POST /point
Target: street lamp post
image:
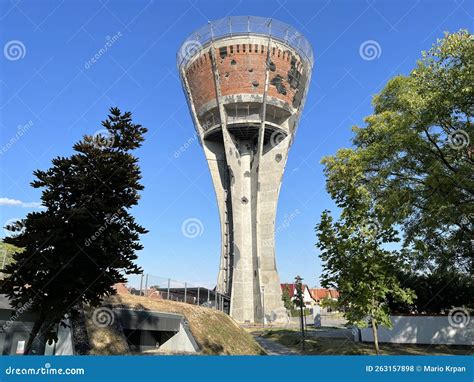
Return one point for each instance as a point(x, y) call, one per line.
point(299, 291)
point(263, 306)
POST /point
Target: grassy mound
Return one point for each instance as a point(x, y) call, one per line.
point(214, 331)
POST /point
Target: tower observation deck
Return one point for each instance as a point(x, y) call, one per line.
point(245, 80)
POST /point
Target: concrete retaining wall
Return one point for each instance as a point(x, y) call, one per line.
point(424, 330)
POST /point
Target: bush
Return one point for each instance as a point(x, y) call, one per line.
point(436, 292)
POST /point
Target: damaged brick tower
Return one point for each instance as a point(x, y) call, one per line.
point(246, 79)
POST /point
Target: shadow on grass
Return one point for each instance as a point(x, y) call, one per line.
point(341, 346)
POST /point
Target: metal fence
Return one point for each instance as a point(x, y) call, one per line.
point(168, 289)
point(246, 25)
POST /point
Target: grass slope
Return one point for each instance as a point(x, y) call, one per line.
point(214, 331)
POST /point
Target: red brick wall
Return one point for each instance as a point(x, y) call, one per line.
point(201, 80)
point(242, 71)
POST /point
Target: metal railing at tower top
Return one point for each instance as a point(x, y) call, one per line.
point(242, 26)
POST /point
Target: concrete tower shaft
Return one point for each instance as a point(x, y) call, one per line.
point(246, 79)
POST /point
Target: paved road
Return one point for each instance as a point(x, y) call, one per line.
point(331, 333)
point(273, 348)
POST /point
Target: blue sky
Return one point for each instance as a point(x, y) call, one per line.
point(50, 95)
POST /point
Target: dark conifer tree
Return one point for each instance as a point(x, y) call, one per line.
point(85, 240)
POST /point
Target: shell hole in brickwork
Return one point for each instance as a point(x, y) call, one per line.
point(247, 174)
point(271, 66)
point(244, 200)
point(278, 158)
point(250, 70)
point(255, 83)
point(233, 62)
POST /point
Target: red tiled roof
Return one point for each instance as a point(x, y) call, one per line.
point(320, 293)
point(289, 287)
point(292, 288)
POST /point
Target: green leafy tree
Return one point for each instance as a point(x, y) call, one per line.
point(415, 158)
point(85, 240)
point(328, 302)
point(355, 263)
point(6, 255)
point(287, 298)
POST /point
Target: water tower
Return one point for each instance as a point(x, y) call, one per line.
point(246, 79)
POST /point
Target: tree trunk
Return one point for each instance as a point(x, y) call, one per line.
point(376, 337)
point(34, 333)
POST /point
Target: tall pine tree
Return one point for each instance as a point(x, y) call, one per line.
point(85, 240)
